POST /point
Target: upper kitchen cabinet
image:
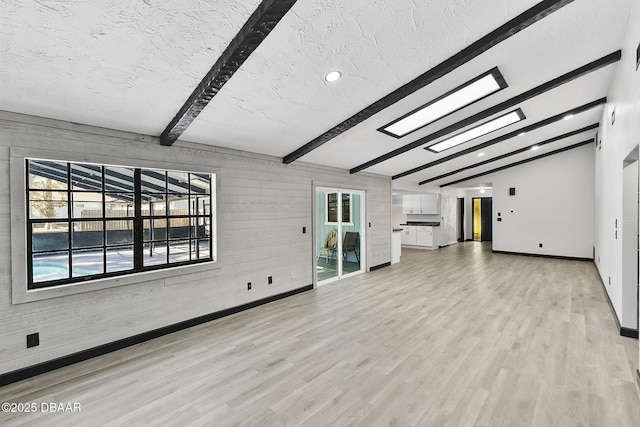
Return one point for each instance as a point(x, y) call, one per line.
point(430, 203)
point(411, 204)
point(417, 204)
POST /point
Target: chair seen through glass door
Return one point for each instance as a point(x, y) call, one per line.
point(339, 219)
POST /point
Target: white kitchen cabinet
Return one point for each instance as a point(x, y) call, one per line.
point(421, 236)
point(430, 204)
point(424, 236)
point(408, 235)
point(411, 204)
point(421, 204)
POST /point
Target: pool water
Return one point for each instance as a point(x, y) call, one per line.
point(43, 272)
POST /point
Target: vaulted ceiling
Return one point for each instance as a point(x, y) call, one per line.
point(250, 75)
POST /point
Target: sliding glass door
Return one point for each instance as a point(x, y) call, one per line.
point(339, 234)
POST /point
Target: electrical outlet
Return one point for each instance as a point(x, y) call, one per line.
point(33, 340)
point(270, 280)
point(292, 275)
point(248, 286)
point(539, 245)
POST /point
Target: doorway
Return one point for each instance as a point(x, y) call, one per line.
point(339, 234)
point(482, 217)
point(460, 219)
point(630, 252)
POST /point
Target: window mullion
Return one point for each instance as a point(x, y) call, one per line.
point(69, 221)
point(104, 218)
point(138, 223)
point(167, 217)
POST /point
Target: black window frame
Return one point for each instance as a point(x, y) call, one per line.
point(197, 220)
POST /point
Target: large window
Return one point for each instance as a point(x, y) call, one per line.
point(87, 221)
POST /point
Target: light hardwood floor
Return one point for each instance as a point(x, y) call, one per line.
point(454, 337)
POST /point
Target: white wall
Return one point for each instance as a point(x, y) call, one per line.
point(619, 139)
point(262, 207)
point(448, 217)
point(553, 205)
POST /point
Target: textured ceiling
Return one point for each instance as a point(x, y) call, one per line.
point(130, 65)
point(126, 65)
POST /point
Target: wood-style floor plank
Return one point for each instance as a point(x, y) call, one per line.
point(453, 337)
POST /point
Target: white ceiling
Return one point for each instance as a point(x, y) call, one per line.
point(130, 65)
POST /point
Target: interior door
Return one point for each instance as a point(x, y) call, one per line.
point(628, 233)
point(486, 219)
point(461, 219)
point(482, 217)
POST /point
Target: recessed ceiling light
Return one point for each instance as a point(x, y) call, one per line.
point(480, 154)
point(568, 116)
point(535, 148)
point(482, 190)
point(332, 76)
point(478, 131)
point(470, 92)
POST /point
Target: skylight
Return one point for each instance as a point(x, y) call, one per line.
point(478, 131)
point(470, 92)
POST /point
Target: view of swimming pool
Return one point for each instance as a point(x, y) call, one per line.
point(48, 267)
point(51, 271)
point(85, 263)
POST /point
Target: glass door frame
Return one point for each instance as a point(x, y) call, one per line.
point(362, 246)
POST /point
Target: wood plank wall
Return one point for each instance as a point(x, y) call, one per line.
point(262, 206)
